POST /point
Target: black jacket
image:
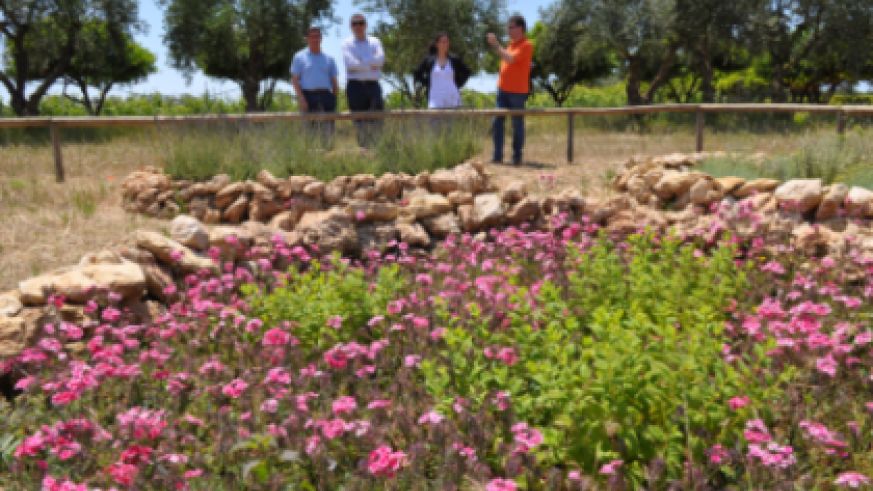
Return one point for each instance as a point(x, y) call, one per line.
point(422, 73)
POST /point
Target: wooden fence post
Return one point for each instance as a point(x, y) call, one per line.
point(701, 121)
point(570, 138)
point(842, 119)
point(55, 133)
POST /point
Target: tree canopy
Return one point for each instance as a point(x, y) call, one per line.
point(250, 42)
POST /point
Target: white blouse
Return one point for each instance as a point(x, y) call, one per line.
point(444, 94)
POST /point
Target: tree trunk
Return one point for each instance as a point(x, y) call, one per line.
point(663, 74)
point(633, 83)
point(250, 90)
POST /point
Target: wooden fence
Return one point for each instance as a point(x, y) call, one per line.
point(57, 124)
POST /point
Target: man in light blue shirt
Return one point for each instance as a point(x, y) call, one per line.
point(314, 77)
point(364, 58)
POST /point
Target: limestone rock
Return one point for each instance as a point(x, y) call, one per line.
point(730, 184)
point(376, 236)
point(427, 205)
point(263, 209)
point(859, 202)
point(229, 194)
point(488, 210)
point(470, 179)
point(314, 189)
point(157, 278)
point(79, 283)
point(800, 195)
point(267, 179)
point(756, 186)
point(330, 230)
point(832, 201)
point(413, 234)
point(458, 198)
point(442, 226)
point(370, 211)
point(285, 220)
point(333, 192)
point(465, 218)
point(235, 212)
point(164, 249)
point(10, 303)
point(443, 182)
point(292, 185)
point(524, 211)
point(816, 240)
point(514, 192)
point(611, 207)
point(389, 186)
point(675, 183)
point(12, 334)
point(212, 216)
point(705, 191)
point(188, 231)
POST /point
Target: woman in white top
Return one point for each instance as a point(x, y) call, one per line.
point(442, 75)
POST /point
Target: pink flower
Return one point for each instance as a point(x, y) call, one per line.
point(431, 417)
point(385, 462)
point(411, 360)
point(500, 484)
point(611, 468)
point(574, 475)
point(124, 474)
point(852, 479)
point(312, 444)
point(438, 333)
point(379, 404)
point(335, 322)
point(717, 455)
point(737, 403)
point(270, 406)
point(235, 388)
point(51, 484)
point(756, 432)
point(508, 356)
point(336, 357)
point(526, 438)
point(176, 256)
point(344, 405)
point(276, 337)
point(827, 365)
point(333, 428)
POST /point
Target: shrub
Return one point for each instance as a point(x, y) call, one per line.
point(624, 362)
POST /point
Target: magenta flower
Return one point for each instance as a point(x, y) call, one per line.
point(431, 417)
point(852, 479)
point(500, 484)
point(717, 455)
point(336, 357)
point(611, 467)
point(344, 405)
point(385, 462)
point(736, 403)
point(276, 337)
point(335, 322)
point(235, 388)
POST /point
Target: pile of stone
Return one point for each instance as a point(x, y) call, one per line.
point(350, 213)
point(667, 192)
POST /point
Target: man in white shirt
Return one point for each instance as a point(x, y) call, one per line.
point(364, 58)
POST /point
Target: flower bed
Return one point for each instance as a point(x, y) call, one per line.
point(549, 359)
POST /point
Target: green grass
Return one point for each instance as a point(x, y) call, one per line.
point(410, 146)
point(847, 159)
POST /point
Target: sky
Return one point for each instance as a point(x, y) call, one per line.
point(170, 81)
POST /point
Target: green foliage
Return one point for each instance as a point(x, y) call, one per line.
point(845, 159)
point(290, 149)
point(312, 297)
point(624, 362)
point(39, 40)
point(103, 59)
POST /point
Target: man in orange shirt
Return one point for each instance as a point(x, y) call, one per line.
point(513, 85)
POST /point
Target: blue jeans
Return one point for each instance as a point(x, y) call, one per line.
point(509, 100)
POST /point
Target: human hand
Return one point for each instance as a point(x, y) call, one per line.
point(492, 39)
point(302, 105)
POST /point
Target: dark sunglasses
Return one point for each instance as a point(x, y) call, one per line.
point(359, 23)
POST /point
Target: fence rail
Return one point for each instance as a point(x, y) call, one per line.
point(56, 124)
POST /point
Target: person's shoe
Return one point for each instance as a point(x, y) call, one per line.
point(517, 162)
point(497, 161)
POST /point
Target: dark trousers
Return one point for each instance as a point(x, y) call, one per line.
point(321, 101)
point(509, 100)
point(365, 95)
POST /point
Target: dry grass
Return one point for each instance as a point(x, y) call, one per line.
point(44, 224)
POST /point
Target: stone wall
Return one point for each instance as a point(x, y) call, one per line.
point(357, 212)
